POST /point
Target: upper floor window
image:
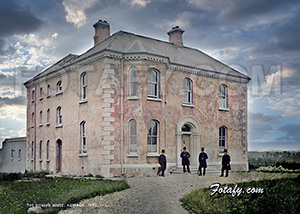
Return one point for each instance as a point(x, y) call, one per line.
point(19, 157)
point(32, 95)
point(12, 154)
point(83, 137)
point(223, 97)
point(187, 91)
point(222, 138)
point(59, 116)
point(59, 87)
point(41, 117)
point(83, 84)
point(48, 91)
point(41, 92)
point(153, 84)
point(152, 136)
point(132, 136)
point(132, 81)
point(48, 116)
point(32, 118)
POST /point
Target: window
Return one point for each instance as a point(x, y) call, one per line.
point(41, 92)
point(83, 84)
point(47, 150)
point(153, 85)
point(41, 151)
point(222, 138)
point(41, 117)
point(32, 150)
point(32, 118)
point(59, 87)
point(19, 157)
point(12, 154)
point(59, 116)
point(132, 82)
point(152, 138)
point(83, 137)
point(32, 95)
point(48, 91)
point(187, 91)
point(48, 116)
point(223, 97)
point(132, 136)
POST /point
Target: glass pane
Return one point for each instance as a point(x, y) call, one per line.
point(133, 88)
point(132, 127)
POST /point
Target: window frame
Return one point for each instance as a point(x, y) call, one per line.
point(32, 95)
point(187, 91)
point(223, 97)
point(151, 136)
point(59, 116)
point(48, 150)
point(156, 83)
point(41, 150)
point(48, 116)
point(83, 141)
point(59, 87)
point(223, 138)
point(48, 91)
point(83, 86)
point(133, 82)
point(132, 134)
point(41, 118)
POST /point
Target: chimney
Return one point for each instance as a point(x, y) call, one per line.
point(175, 36)
point(102, 31)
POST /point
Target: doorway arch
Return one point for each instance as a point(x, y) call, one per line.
point(188, 132)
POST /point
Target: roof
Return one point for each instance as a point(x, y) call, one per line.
point(126, 43)
point(16, 139)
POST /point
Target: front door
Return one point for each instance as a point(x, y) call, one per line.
point(186, 142)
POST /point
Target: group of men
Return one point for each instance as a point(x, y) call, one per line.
point(185, 155)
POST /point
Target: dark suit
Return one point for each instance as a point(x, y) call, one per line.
point(202, 160)
point(185, 160)
point(162, 160)
point(225, 164)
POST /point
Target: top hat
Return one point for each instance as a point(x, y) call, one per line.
point(225, 150)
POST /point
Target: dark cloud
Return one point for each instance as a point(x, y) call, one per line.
point(16, 20)
point(292, 133)
point(21, 100)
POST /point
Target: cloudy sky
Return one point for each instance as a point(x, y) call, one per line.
point(258, 38)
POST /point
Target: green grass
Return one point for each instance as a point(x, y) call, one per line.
point(280, 196)
point(15, 196)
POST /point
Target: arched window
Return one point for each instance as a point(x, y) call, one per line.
point(222, 138)
point(48, 116)
point(32, 118)
point(47, 149)
point(132, 82)
point(48, 91)
point(83, 137)
point(152, 137)
point(59, 87)
point(223, 97)
point(32, 95)
point(59, 116)
point(41, 92)
point(153, 84)
point(32, 150)
point(41, 150)
point(41, 117)
point(187, 91)
point(83, 83)
point(132, 136)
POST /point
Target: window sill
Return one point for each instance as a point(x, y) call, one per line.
point(41, 160)
point(132, 155)
point(48, 124)
point(48, 160)
point(32, 160)
point(83, 155)
point(32, 101)
point(188, 105)
point(40, 125)
point(41, 98)
point(152, 155)
point(11, 159)
point(223, 109)
point(132, 98)
point(48, 96)
point(58, 93)
point(59, 126)
point(32, 126)
point(154, 99)
point(19, 159)
point(83, 101)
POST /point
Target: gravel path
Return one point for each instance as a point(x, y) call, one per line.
point(158, 194)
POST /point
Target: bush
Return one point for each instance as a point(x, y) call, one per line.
point(275, 169)
point(10, 176)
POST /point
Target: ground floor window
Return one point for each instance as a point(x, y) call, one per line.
point(152, 137)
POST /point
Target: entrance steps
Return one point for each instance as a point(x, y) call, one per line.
point(194, 170)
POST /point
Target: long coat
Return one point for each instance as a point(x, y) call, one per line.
point(202, 159)
point(185, 158)
point(226, 162)
point(162, 160)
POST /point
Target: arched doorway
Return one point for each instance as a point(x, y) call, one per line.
point(188, 135)
point(58, 155)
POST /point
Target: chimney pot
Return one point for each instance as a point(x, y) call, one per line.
point(175, 36)
point(102, 31)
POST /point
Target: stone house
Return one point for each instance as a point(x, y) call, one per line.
point(111, 110)
point(13, 155)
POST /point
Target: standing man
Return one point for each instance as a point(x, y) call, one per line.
point(202, 160)
point(225, 163)
point(185, 160)
point(162, 160)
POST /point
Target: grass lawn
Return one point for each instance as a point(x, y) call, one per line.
point(16, 196)
point(279, 196)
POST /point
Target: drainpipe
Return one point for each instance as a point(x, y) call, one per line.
point(122, 114)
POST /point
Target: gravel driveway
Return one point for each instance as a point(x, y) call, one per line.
point(158, 194)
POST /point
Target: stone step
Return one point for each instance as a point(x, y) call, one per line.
point(194, 170)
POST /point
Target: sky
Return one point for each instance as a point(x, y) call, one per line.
point(258, 38)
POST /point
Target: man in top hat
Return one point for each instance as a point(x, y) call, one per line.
point(202, 160)
point(185, 160)
point(162, 160)
point(225, 163)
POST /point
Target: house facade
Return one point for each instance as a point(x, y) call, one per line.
point(111, 110)
point(13, 155)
